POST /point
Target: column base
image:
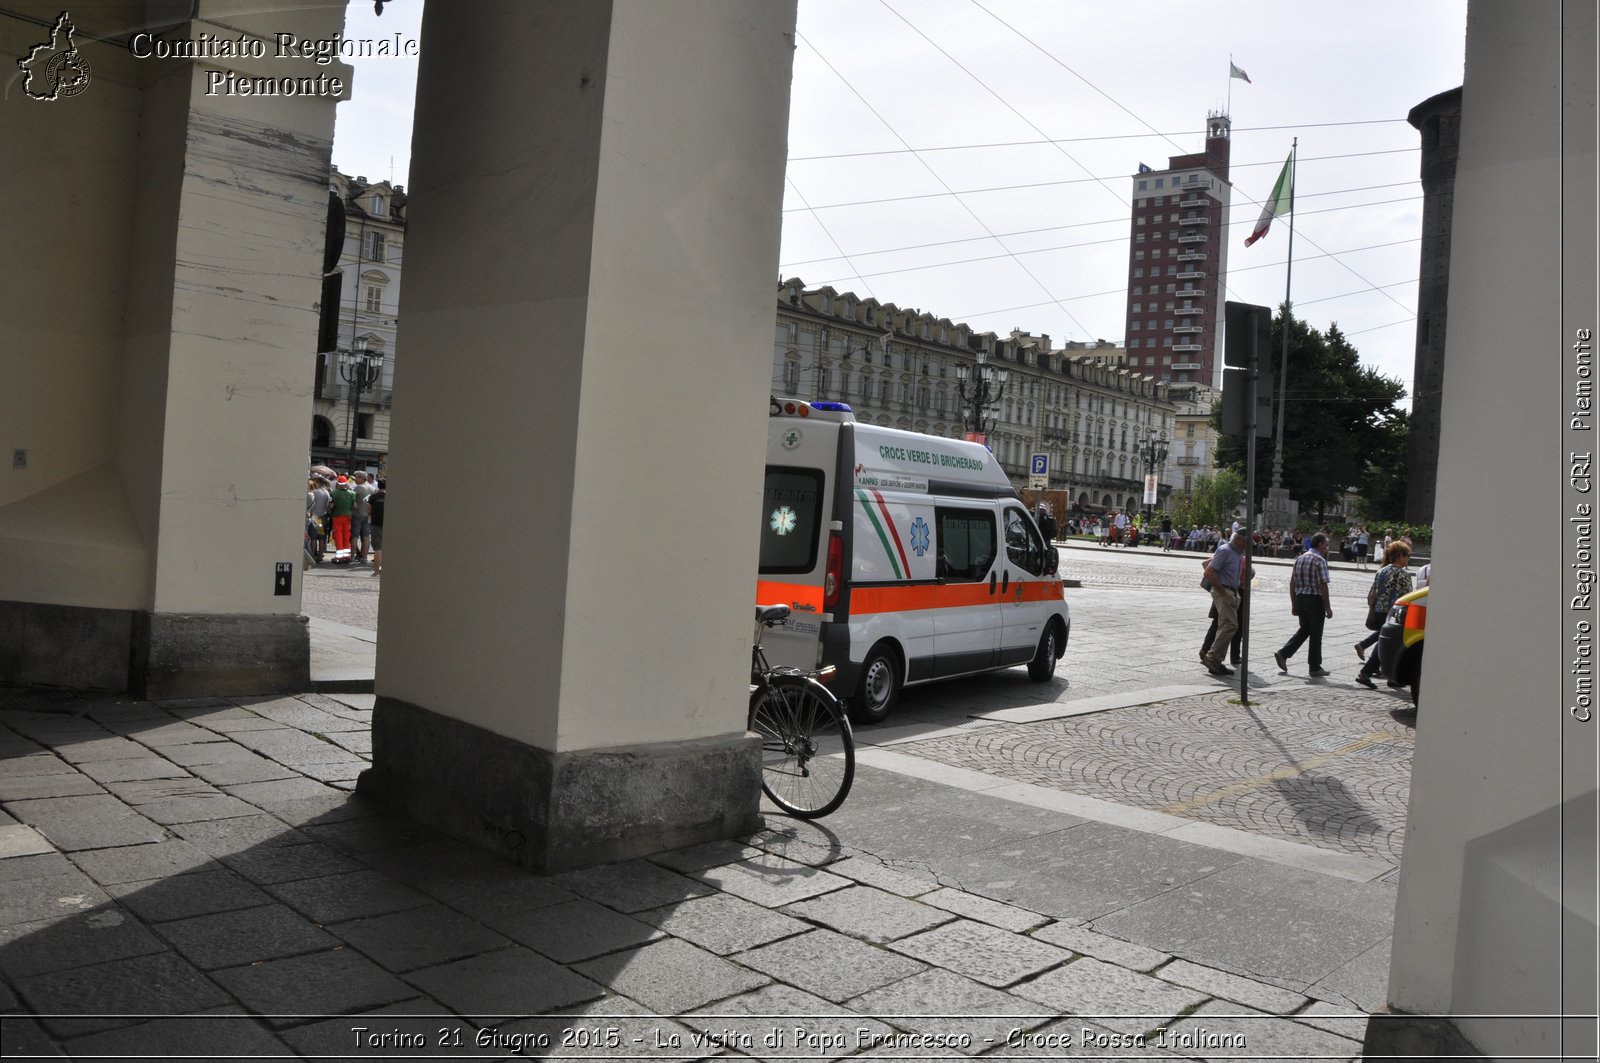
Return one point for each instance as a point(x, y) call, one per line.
point(1394, 1035)
point(555, 812)
point(177, 656)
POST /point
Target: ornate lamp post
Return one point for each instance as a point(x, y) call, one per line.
point(1154, 452)
point(360, 369)
point(988, 387)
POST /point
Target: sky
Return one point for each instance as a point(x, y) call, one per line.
point(974, 158)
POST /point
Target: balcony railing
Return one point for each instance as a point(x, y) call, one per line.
point(1193, 238)
point(1192, 275)
point(1194, 219)
point(1181, 329)
point(1186, 347)
point(1192, 256)
point(1193, 201)
point(1182, 310)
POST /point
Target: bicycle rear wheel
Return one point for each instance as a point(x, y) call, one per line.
point(808, 754)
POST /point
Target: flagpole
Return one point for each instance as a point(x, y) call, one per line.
point(1283, 366)
point(1229, 109)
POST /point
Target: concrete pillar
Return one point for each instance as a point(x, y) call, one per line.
point(161, 335)
point(1496, 905)
point(570, 551)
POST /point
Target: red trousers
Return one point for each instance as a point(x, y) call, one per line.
point(341, 533)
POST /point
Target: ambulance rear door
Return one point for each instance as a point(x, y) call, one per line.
point(796, 511)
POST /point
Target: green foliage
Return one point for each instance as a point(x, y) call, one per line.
point(1341, 428)
point(1211, 500)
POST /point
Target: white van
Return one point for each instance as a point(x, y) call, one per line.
point(905, 558)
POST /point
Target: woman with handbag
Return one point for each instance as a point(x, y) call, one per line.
point(1392, 581)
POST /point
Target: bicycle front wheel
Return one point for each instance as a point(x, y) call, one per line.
point(808, 755)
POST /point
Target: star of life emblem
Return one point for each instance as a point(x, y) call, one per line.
point(783, 520)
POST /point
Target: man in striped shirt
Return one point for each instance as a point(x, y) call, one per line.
point(1308, 601)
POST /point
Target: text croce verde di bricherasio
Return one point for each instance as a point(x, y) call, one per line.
point(928, 457)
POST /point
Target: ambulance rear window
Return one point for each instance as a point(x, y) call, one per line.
point(791, 519)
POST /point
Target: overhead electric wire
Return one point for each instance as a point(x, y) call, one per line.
point(1080, 140)
point(831, 239)
point(935, 174)
point(1105, 221)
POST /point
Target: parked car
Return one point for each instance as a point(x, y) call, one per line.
point(1400, 642)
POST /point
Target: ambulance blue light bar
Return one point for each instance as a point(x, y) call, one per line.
point(837, 407)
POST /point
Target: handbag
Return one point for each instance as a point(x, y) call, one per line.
point(1374, 619)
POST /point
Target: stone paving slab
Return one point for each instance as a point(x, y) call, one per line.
point(771, 881)
point(723, 924)
point(1110, 996)
point(335, 898)
point(40, 763)
point(17, 840)
point(239, 938)
point(1088, 943)
point(98, 822)
point(76, 1002)
point(995, 913)
point(781, 1021)
point(30, 787)
point(185, 896)
point(829, 964)
point(1221, 1030)
point(188, 1037)
point(109, 771)
point(869, 914)
point(507, 982)
point(983, 953)
point(419, 937)
point(892, 880)
point(99, 935)
point(50, 896)
point(672, 977)
point(581, 930)
point(418, 1027)
point(941, 1003)
point(134, 863)
point(316, 984)
point(1215, 983)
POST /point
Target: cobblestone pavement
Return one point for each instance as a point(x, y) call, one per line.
point(343, 593)
point(1321, 767)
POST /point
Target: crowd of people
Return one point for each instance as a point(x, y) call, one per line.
point(348, 510)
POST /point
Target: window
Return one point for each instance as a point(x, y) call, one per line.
point(1156, 253)
point(377, 204)
point(1139, 239)
point(1160, 181)
point(1159, 200)
point(375, 246)
point(966, 544)
point(1023, 544)
point(1138, 271)
point(791, 519)
point(374, 302)
point(1143, 185)
point(1137, 307)
point(1138, 256)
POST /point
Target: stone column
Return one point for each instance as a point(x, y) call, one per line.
point(571, 542)
point(166, 323)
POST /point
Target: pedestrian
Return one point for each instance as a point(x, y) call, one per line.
point(320, 503)
point(1166, 532)
point(1223, 571)
point(360, 526)
point(1362, 540)
point(1392, 581)
point(376, 502)
point(1047, 523)
point(342, 507)
point(1309, 604)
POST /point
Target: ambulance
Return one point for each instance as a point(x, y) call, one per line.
point(905, 558)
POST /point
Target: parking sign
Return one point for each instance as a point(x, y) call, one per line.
point(1039, 471)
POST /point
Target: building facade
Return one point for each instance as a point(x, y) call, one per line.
point(1177, 259)
point(360, 313)
point(1078, 404)
point(1194, 441)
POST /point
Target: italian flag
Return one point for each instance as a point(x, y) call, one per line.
point(1280, 202)
point(1235, 72)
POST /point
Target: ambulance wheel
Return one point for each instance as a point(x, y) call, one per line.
point(879, 687)
point(1043, 665)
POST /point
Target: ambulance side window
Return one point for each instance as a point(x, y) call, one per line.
point(966, 544)
point(1023, 544)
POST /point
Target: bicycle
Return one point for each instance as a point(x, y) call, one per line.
point(803, 731)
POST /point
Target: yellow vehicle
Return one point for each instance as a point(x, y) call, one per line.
point(1400, 641)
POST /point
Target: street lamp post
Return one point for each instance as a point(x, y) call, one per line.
point(360, 369)
point(1155, 452)
point(988, 387)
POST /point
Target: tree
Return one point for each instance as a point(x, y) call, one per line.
point(1340, 423)
point(1383, 498)
point(1212, 499)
